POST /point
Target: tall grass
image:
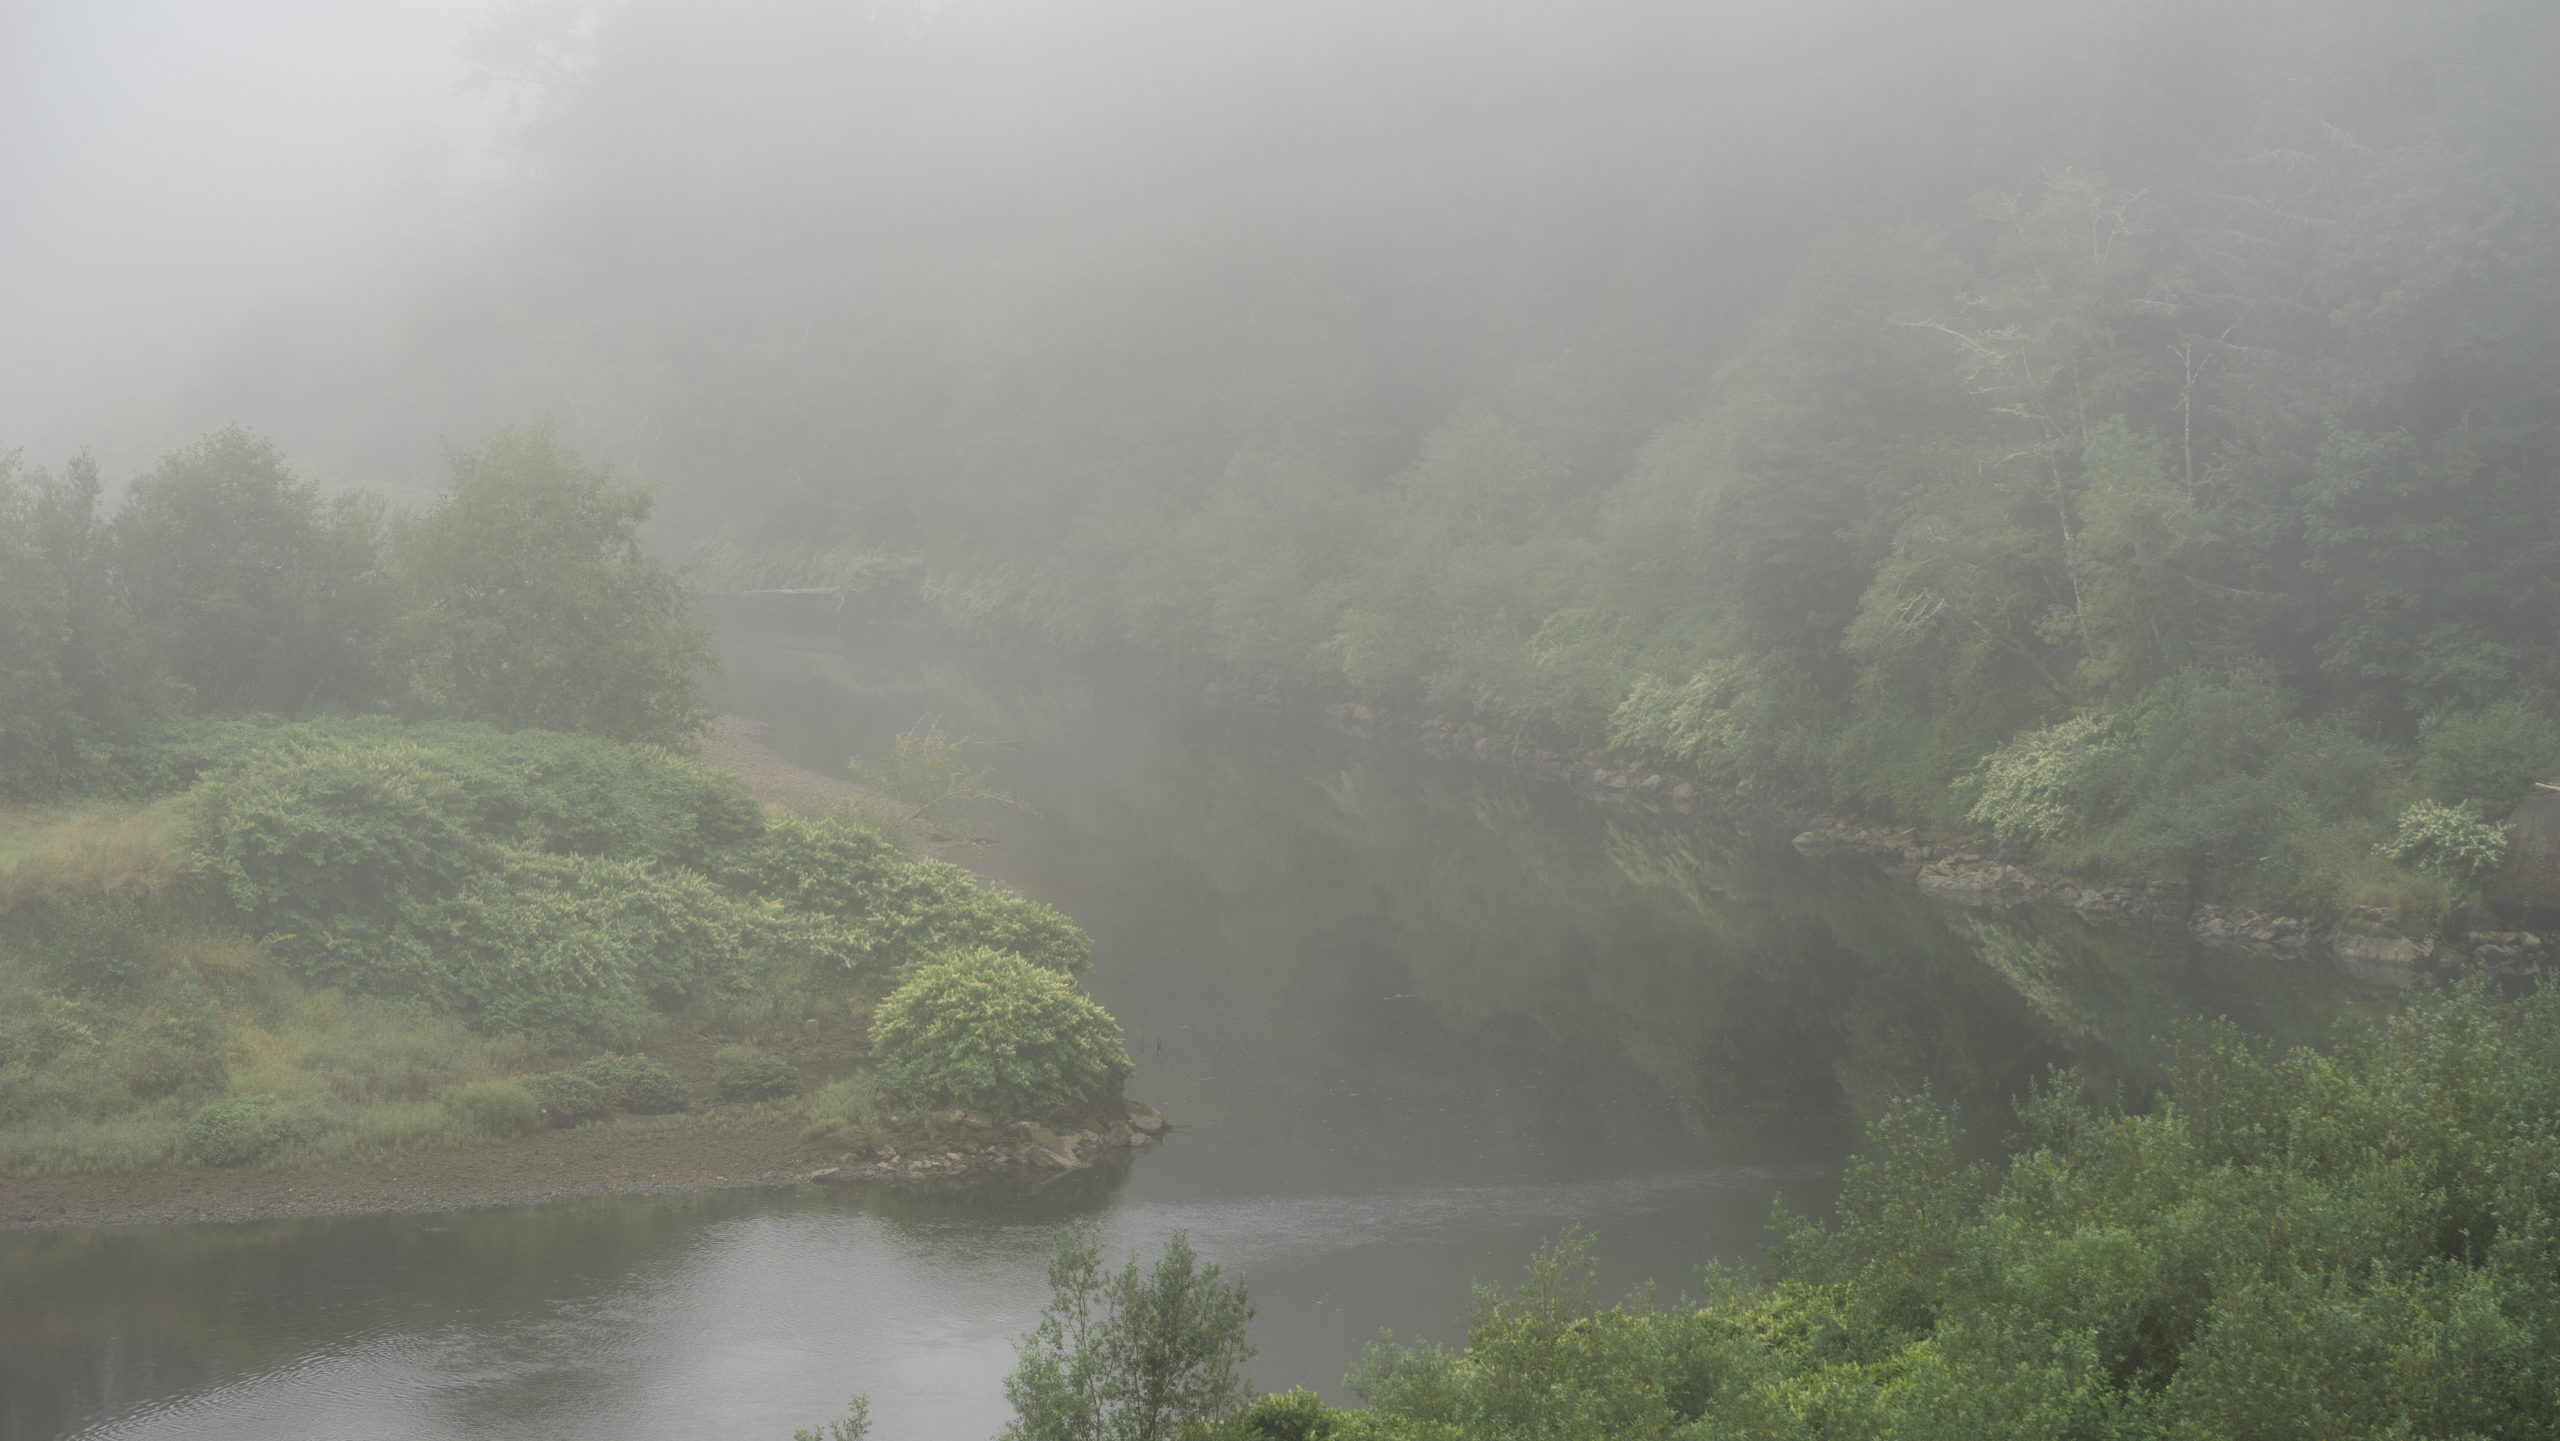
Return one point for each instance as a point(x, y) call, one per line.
point(58, 855)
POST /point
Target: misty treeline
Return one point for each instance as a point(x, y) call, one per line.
point(223, 586)
point(2119, 425)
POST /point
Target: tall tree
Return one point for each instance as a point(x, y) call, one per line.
point(528, 601)
point(250, 590)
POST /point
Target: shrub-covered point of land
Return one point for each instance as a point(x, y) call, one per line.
point(989, 1030)
point(388, 928)
point(2361, 1243)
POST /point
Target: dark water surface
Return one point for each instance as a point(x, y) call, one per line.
point(1412, 1015)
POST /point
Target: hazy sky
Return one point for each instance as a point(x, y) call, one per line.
point(167, 164)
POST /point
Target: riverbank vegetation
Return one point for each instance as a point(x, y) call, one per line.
point(2357, 1243)
point(358, 935)
point(488, 906)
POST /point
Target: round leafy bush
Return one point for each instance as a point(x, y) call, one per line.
point(494, 1108)
point(747, 1074)
point(2449, 841)
point(990, 1031)
point(233, 1132)
point(566, 1098)
point(635, 1083)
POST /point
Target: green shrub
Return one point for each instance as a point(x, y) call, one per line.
point(233, 1132)
point(853, 1425)
point(1703, 724)
point(100, 946)
point(2486, 760)
point(744, 1073)
point(634, 1083)
point(494, 1108)
point(172, 1053)
point(37, 1039)
point(852, 900)
point(2045, 784)
point(1296, 1415)
point(991, 1031)
point(2449, 841)
point(566, 1098)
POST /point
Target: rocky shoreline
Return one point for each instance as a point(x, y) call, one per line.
point(2370, 946)
point(970, 1145)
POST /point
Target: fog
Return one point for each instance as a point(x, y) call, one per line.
point(175, 172)
point(366, 230)
point(1758, 529)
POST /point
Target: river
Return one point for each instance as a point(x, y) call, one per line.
point(1411, 1015)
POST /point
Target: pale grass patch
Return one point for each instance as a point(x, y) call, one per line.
point(378, 1131)
point(118, 1143)
point(73, 854)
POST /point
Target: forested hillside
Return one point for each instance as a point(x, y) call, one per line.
point(2122, 427)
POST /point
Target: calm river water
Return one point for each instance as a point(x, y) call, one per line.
point(1413, 1017)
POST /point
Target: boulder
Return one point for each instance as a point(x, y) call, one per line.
point(2377, 957)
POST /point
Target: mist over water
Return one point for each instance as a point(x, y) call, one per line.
point(2113, 436)
point(1412, 1017)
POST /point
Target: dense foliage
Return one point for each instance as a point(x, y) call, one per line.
point(986, 1029)
point(225, 587)
point(2360, 1243)
point(853, 897)
point(526, 600)
point(558, 884)
point(1131, 1355)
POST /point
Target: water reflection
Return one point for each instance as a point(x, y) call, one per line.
point(1413, 1016)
